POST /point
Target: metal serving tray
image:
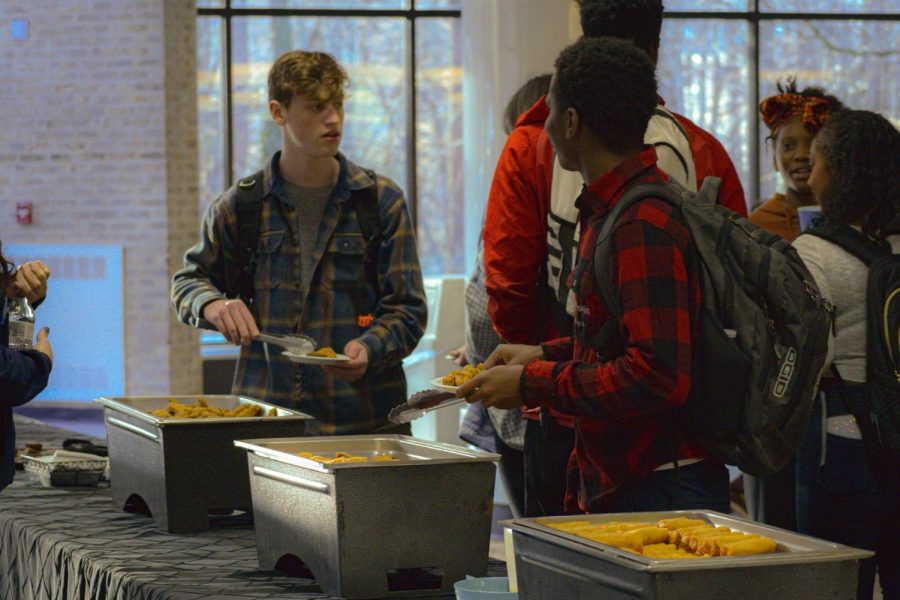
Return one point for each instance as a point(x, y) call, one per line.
point(182, 469)
point(554, 564)
point(375, 529)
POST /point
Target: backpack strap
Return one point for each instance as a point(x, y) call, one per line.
point(671, 192)
point(365, 203)
point(856, 243)
point(248, 208)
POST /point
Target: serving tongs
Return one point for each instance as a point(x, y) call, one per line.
point(421, 403)
point(296, 343)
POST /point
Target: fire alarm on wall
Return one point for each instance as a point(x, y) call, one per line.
point(24, 212)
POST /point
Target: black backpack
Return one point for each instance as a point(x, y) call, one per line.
point(248, 208)
point(879, 419)
point(763, 332)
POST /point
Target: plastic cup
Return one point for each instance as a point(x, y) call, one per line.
point(484, 588)
point(810, 216)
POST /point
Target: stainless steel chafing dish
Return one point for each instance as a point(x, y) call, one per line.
point(182, 469)
point(551, 563)
point(374, 529)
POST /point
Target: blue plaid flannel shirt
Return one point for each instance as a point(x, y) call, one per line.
point(325, 311)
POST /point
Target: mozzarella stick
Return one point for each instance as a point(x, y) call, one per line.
point(680, 522)
point(619, 540)
point(651, 535)
point(678, 535)
point(694, 541)
point(759, 545)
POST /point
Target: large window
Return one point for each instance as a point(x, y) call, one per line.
point(719, 58)
point(403, 111)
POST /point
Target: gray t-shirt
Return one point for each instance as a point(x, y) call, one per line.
point(310, 204)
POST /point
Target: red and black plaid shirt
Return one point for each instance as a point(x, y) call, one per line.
point(628, 407)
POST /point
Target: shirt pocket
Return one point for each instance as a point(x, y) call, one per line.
point(273, 263)
point(347, 253)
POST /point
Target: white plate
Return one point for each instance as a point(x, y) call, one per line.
point(436, 384)
point(305, 359)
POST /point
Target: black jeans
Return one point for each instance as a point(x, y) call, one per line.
point(842, 499)
point(547, 450)
point(698, 486)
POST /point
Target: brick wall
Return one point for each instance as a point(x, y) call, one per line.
point(98, 130)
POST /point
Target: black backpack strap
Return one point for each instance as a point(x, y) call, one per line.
point(248, 208)
point(859, 245)
point(365, 203)
point(608, 336)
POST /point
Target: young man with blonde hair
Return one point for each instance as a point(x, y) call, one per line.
point(312, 244)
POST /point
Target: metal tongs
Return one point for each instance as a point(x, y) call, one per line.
point(295, 344)
point(421, 403)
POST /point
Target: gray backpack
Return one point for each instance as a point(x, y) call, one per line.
point(763, 331)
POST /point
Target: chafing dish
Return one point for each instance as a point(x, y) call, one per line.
point(373, 529)
point(553, 564)
point(182, 469)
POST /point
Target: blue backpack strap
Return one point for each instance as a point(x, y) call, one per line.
point(248, 208)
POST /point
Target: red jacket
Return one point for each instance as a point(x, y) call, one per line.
point(710, 158)
point(515, 230)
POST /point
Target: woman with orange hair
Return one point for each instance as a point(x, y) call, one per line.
point(793, 118)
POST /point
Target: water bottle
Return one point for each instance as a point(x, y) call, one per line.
point(21, 324)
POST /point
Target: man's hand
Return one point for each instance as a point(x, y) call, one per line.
point(42, 344)
point(513, 354)
point(458, 356)
point(30, 281)
point(354, 368)
point(233, 319)
point(498, 387)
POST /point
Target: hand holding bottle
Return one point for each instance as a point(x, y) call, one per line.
point(30, 281)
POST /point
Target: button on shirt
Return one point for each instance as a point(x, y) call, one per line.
point(628, 408)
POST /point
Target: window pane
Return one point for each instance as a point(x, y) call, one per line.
point(831, 6)
point(440, 206)
point(327, 4)
point(704, 74)
point(373, 50)
point(210, 108)
point(707, 5)
point(438, 4)
point(854, 60)
point(210, 3)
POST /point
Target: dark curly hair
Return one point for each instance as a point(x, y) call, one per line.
point(612, 85)
point(524, 98)
point(862, 159)
point(7, 269)
point(638, 21)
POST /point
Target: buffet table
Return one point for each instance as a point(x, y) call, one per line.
point(71, 543)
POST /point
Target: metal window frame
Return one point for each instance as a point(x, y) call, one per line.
point(227, 14)
point(755, 16)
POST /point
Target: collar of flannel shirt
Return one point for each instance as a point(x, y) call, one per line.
point(604, 192)
point(350, 177)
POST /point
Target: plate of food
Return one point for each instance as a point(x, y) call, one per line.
point(454, 379)
point(322, 356)
point(438, 384)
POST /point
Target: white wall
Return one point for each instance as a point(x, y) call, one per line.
point(507, 42)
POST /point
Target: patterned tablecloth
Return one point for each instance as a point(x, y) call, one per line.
point(72, 544)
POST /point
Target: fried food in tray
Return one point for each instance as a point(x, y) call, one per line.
point(345, 457)
point(679, 538)
point(202, 410)
point(325, 351)
point(460, 376)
